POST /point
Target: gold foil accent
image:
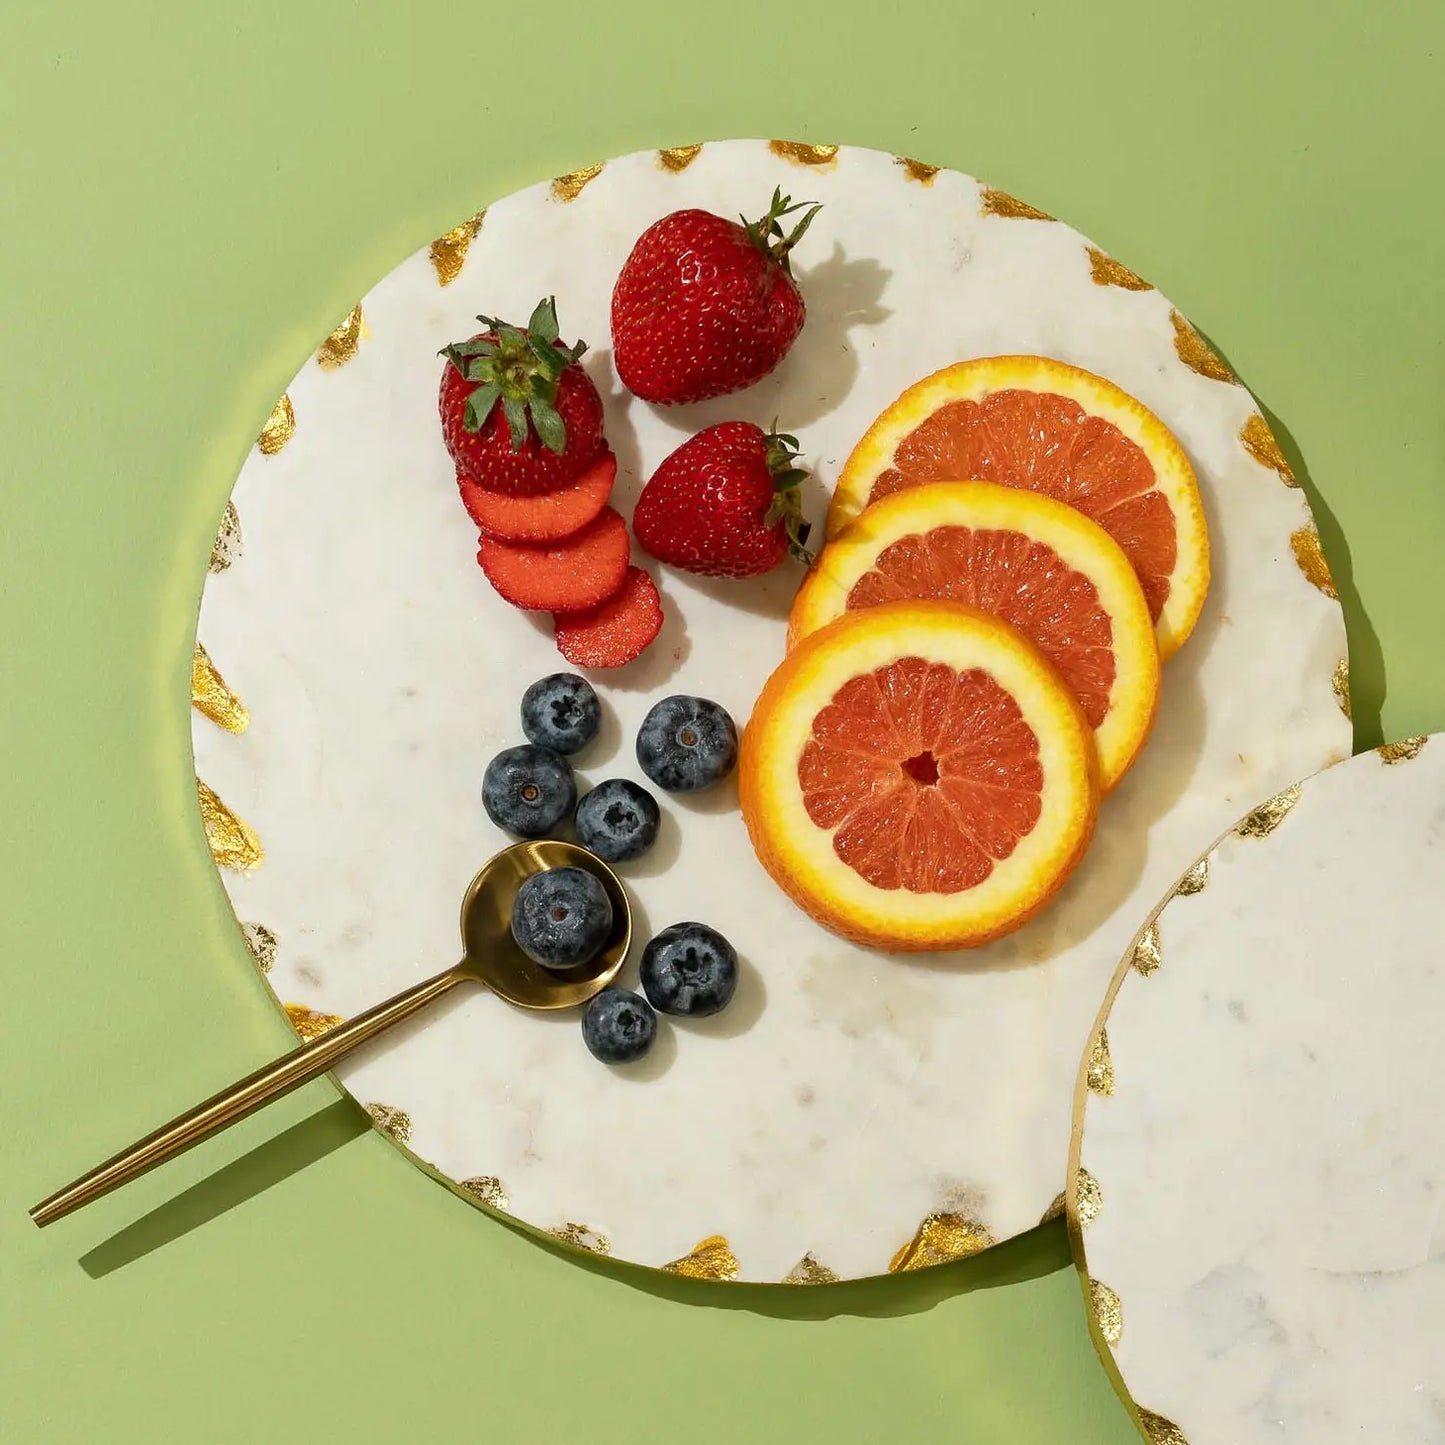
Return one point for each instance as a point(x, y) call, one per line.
point(1259, 442)
point(227, 546)
point(262, 943)
point(448, 252)
point(570, 186)
point(310, 1024)
point(1402, 751)
point(1106, 271)
point(804, 153)
point(280, 427)
point(919, 171)
point(344, 342)
point(233, 844)
point(809, 1270)
point(1269, 815)
point(1196, 353)
point(1000, 203)
point(678, 158)
point(212, 698)
point(1108, 1311)
point(1089, 1200)
point(1340, 682)
point(580, 1237)
point(1147, 957)
point(1195, 880)
point(1310, 557)
point(1159, 1430)
point(487, 1188)
point(940, 1238)
point(712, 1259)
point(1100, 1073)
point(394, 1123)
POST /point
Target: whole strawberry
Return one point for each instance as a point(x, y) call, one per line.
point(519, 415)
point(705, 306)
point(725, 503)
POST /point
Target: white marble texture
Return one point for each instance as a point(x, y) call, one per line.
point(1272, 1163)
point(847, 1094)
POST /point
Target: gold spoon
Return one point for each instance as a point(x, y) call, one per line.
point(490, 956)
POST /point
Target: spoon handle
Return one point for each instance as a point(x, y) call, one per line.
point(278, 1077)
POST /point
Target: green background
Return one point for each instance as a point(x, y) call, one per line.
point(192, 196)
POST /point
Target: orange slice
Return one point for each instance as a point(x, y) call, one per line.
point(1027, 421)
point(916, 776)
point(1043, 567)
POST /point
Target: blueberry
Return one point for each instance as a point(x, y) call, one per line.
point(618, 820)
point(562, 917)
point(687, 743)
point(618, 1027)
point(561, 712)
point(689, 969)
point(528, 791)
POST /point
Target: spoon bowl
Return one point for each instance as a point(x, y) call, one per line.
point(491, 954)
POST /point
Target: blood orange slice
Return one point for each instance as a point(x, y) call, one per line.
point(1027, 421)
point(1043, 567)
point(916, 776)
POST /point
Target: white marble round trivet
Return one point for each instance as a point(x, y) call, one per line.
point(1258, 1192)
point(852, 1110)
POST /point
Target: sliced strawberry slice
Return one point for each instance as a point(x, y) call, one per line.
point(617, 631)
point(545, 518)
point(577, 573)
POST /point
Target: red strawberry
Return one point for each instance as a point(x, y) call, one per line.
point(518, 414)
point(704, 306)
point(617, 631)
point(547, 518)
point(725, 503)
point(573, 575)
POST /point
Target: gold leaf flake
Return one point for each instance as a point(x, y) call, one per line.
point(569, 187)
point(580, 1237)
point(310, 1024)
point(678, 158)
point(1108, 1311)
point(1159, 1430)
point(1310, 558)
point(1340, 682)
point(262, 943)
point(448, 252)
point(344, 342)
point(1106, 271)
point(1259, 442)
point(212, 698)
point(919, 171)
point(487, 1188)
point(940, 1238)
point(393, 1122)
point(1402, 751)
point(1196, 353)
point(1000, 203)
point(1089, 1200)
point(712, 1259)
point(809, 1270)
point(1146, 952)
point(1100, 1074)
point(233, 844)
point(804, 153)
point(1269, 815)
point(280, 427)
point(1195, 880)
point(227, 546)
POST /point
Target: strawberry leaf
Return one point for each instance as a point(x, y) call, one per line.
point(479, 406)
point(549, 425)
point(554, 361)
point(543, 324)
point(516, 413)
